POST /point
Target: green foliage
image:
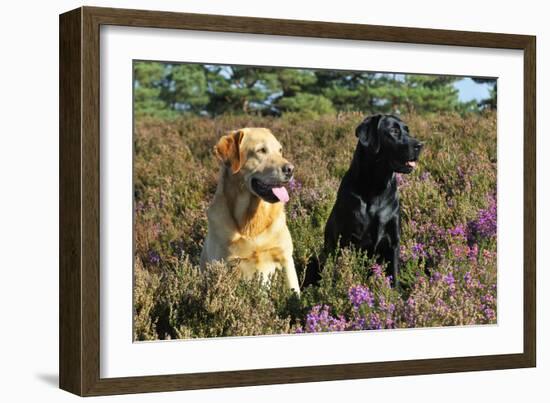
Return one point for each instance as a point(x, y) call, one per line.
point(148, 77)
point(308, 103)
point(167, 90)
point(175, 176)
point(238, 89)
point(186, 87)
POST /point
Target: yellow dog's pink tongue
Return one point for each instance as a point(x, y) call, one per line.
point(281, 194)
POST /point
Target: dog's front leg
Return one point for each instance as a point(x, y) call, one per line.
point(290, 273)
point(394, 265)
point(390, 252)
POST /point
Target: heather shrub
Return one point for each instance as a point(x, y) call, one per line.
point(145, 291)
point(217, 302)
point(448, 237)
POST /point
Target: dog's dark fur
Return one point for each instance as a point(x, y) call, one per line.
point(366, 213)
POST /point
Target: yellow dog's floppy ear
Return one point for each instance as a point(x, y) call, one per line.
point(228, 150)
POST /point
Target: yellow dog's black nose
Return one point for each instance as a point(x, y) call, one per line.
point(288, 170)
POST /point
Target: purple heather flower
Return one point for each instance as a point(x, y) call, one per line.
point(411, 302)
point(490, 314)
point(156, 229)
point(292, 214)
point(425, 175)
point(374, 321)
point(485, 225)
point(460, 251)
point(450, 280)
point(473, 252)
point(294, 185)
point(140, 207)
point(458, 231)
point(488, 255)
point(488, 299)
point(359, 295)
point(468, 279)
point(403, 255)
point(460, 172)
point(441, 306)
point(153, 257)
point(418, 251)
point(320, 320)
point(377, 269)
point(390, 323)
point(338, 324)
point(382, 303)
point(399, 179)
point(358, 323)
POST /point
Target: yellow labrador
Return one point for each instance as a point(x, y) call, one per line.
point(246, 220)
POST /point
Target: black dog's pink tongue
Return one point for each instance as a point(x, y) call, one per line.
point(281, 194)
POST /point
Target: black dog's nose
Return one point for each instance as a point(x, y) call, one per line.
point(288, 169)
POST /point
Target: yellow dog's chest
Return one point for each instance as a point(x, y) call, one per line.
point(262, 261)
point(258, 254)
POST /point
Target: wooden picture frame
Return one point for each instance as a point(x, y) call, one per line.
point(79, 200)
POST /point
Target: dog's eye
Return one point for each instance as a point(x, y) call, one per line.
point(394, 131)
point(262, 150)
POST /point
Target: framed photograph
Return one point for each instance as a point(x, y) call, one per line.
point(249, 201)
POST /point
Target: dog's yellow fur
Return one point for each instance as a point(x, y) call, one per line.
point(242, 227)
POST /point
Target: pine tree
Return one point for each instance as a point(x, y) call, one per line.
point(148, 78)
point(239, 89)
point(184, 87)
point(297, 93)
point(168, 90)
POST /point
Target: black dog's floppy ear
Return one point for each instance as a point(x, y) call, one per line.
point(367, 133)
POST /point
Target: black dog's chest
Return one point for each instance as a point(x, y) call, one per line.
point(371, 221)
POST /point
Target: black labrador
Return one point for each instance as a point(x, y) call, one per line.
point(366, 213)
